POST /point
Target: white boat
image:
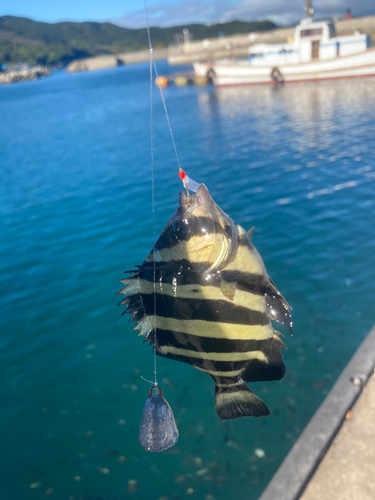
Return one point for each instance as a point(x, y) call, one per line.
point(315, 53)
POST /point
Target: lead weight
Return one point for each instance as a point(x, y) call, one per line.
point(158, 430)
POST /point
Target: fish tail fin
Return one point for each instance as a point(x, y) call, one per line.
point(237, 400)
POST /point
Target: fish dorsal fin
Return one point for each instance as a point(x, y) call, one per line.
point(276, 306)
point(134, 305)
point(250, 233)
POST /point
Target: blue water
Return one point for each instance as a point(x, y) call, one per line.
point(298, 163)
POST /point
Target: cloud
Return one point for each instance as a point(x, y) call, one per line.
point(277, 11)
point(168, 14)
point(214, 11)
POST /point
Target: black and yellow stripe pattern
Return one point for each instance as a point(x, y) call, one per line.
point(213, 301)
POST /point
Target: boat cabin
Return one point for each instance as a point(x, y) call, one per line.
point(312, 41)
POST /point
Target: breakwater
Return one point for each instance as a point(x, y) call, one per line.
point(24, 74)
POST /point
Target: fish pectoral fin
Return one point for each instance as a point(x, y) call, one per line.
point(237, 401)
point(271, 369)
point(228, 284)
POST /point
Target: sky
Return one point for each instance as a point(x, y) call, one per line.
point(130, 13)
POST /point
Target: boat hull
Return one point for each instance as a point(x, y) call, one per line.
point(236, 73)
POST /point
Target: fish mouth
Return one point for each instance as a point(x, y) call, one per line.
point(194, 201)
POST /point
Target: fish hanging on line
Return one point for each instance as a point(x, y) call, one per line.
point(213, 303)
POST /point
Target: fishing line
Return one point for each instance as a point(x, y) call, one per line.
point(153, 66)
point(331, 9)
point(161, 91)
point(149, 381)
point(153, 200)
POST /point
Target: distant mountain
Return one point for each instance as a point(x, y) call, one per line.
point(33, 42)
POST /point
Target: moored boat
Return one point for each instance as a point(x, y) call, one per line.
point(315, 53)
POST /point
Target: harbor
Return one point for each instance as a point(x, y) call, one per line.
point(237, 46)
point(224, 60)
point(314, 52)
point(204, 53)
point(226, 47)
point(309, 52)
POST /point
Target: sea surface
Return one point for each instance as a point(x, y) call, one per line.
point(297, 162)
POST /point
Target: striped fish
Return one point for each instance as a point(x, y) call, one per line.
point(203, 297)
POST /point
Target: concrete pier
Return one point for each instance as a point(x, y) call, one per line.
point(348, 469)
point(92, 64)
point(142, 56)
point(111, 61)
point(334, 458)
point(238, 45)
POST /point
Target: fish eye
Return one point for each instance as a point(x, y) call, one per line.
point(179, 229)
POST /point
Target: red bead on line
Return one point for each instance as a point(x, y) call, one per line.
point(182, 174)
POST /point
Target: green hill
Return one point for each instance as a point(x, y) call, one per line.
point(33, 42)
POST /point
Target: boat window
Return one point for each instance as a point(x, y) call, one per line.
point(332, 31)
point(257, 54)
point(312, 32)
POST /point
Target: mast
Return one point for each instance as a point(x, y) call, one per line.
point(309, 9)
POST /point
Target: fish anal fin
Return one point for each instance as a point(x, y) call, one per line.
point(271, 369)
point(250, 233)
point(279, 334)
point(278, 340)
point(238, 401)
point(228, 284)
